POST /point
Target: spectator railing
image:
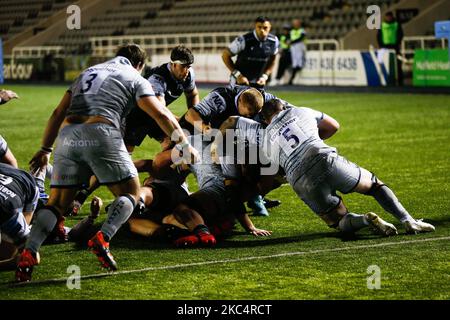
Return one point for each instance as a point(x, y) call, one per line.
point(409, 44)
point(37, 51)
point(158, 44)
point(198, 42)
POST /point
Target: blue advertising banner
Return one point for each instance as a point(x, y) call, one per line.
point(1, 61)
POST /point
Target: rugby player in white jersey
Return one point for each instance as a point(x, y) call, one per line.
point(293, 140)
point(86, 127)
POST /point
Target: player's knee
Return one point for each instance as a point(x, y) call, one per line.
point(375, 185)
point(334, 216)
point(183, 213)
point(146, 195)
point(133, 224)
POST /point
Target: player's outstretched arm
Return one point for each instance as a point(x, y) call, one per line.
point(248, 225)
point(226, 57)
point(192, 98)
point(10, 159)
point(268, 71)
point(40, 159)
point(240, 78)
point(195, 119)
point(230, 123)
point(327, 127)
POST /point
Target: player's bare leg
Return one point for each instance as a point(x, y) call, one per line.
point(143, 227)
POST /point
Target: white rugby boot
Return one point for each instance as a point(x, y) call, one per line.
point(417, 226)
point(379, 225)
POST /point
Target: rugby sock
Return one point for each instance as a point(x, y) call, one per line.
point(118, 213)
point(387, 199)
point(82, 196)
point(352, 222)
point(140, 208)
point(43, 224)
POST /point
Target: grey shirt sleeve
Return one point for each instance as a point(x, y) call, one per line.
point(237, 45)
point(158, 84)
point(188, 86)
point(143, 88)
point(277, 46)
point(318, 115)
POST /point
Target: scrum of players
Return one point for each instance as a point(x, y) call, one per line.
point(111, 108)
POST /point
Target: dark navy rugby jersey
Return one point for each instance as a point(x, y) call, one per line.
point(166, 85)
point(221, 103)
point(17, 192)
point(253, 54)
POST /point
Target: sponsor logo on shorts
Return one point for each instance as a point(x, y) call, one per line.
point(64, 177)
point(80, 143)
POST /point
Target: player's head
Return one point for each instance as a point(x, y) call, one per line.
point(389, 16)
point(262, 27)
point(270, 109)
point(296, 23)
point(250, 103)
point(286, 28)
point(181, 59)
point(135, 54)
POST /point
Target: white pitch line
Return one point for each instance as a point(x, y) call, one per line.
point(203, 263)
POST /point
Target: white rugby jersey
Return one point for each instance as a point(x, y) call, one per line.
point(291, 140)
point(109, 89)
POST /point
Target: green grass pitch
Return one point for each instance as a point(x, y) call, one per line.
point(403, 138)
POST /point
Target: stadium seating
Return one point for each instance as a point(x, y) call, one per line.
point(324, 19)
point(17, 15)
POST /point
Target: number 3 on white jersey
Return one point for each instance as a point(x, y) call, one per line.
point(92, 81)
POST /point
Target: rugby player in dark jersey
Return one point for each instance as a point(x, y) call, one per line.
point(256, 52)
